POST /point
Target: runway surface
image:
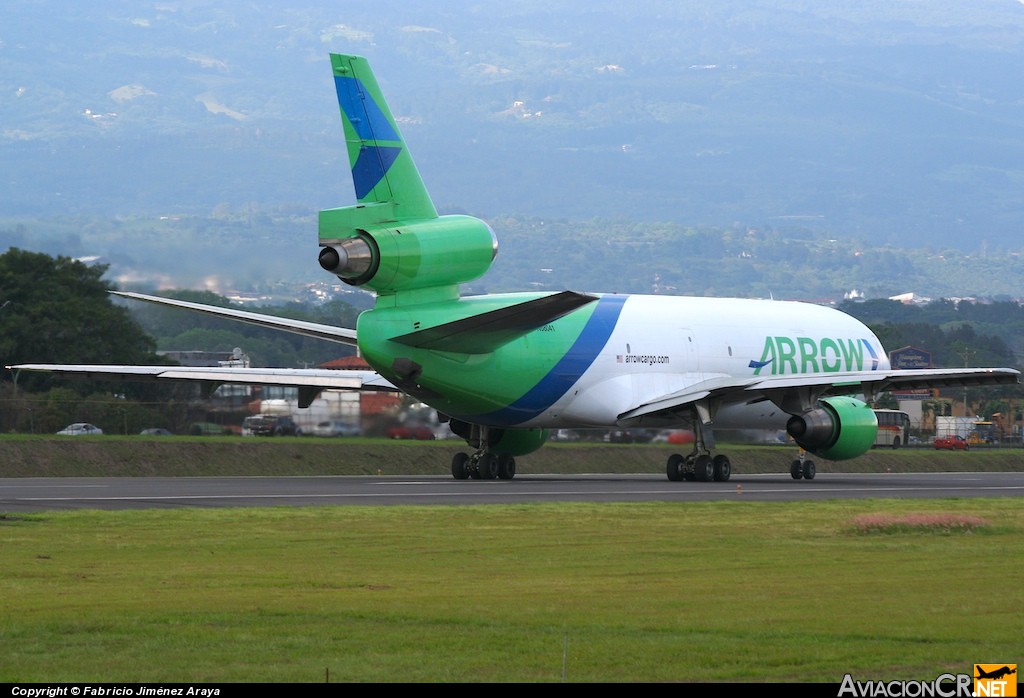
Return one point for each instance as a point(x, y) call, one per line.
point(53, 494)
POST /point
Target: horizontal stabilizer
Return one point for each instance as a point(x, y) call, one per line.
point(307, 329)
point(483, 333)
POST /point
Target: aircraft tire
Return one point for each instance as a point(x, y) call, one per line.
point(704, 468)
point(674, 467)
point(488, 466)
point(459, 469)
point(722, 468)
point(809, 470)
point(796, 470)
point(506, 467)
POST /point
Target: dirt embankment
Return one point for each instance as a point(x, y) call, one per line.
point(185, 456)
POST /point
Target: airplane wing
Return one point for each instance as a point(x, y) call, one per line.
point(725, 389)
point(308, 329)
point(309, 381)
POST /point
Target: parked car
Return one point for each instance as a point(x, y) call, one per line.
point(629, 436)
point(208, 429)
point(272, 425)
point(673, 436)
point(336, 428)
point(420, 432)
point(155, 432)
point(80, 429)
point(952, 443)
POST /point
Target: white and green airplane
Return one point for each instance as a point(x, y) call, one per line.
point(505, 369)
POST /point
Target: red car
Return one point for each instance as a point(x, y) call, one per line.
point(952, 443)
point(411, 431)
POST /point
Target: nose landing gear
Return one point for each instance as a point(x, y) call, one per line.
point(802, 468)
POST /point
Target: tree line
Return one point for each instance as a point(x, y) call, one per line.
point(59, 310)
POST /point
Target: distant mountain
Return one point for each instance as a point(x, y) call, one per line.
point(900, 123)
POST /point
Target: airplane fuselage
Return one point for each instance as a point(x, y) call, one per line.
point(593, 366)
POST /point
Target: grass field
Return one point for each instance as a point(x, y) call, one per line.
point(734, 591)
point(25, 456)
point(535, 593)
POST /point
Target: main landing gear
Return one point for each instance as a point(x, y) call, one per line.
point(699, 465)
point(802, 468)
point(483, 465)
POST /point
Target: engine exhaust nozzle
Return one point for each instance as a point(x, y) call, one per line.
point(352, 260)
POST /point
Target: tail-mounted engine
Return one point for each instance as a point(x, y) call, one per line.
point(839, 428)
point(418, 254)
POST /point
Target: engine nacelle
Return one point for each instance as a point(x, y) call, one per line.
point(839, 428)
point(436, 252)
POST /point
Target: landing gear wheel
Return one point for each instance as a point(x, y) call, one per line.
point(722, 468)
point(809, 470)
point(796, 469)
point(459, 469)
point(487, 466)
point(704, 469)
point(506, 467)
point(674, 467)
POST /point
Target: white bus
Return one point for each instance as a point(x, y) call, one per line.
point(892, 428)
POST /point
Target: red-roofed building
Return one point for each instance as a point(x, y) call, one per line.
point(371, 402)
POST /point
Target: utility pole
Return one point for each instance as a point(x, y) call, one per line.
point(968, 353)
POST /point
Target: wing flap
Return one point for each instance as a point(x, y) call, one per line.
point(731, 390)
point(881, 381)
point(287, 377)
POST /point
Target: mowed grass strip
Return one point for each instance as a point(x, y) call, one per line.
point(728, 591)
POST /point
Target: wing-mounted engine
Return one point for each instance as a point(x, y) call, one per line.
point(838, 428)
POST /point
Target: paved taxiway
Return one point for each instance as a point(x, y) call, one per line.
point(50, 494)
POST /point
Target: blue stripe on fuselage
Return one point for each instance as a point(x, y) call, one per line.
point(566, 372)
point(874, 356)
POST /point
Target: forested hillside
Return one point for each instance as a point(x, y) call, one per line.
point(897, 123)
point(273, 254)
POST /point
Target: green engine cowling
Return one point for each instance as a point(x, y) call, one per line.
point(839, 428)
point(519, 442)
point(393, 257)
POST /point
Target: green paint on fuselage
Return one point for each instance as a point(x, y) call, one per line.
point(465, 384)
